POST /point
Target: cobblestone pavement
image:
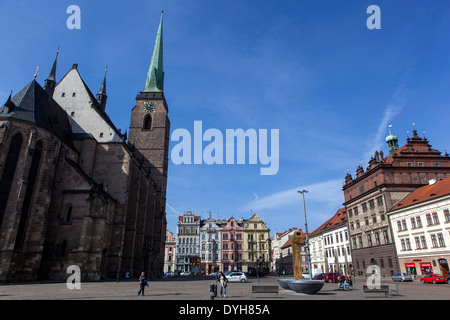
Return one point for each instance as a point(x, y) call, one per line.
point(197, 288)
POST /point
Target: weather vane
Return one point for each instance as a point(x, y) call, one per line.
point(35, 75)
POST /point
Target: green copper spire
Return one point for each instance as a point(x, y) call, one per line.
point(155, 76)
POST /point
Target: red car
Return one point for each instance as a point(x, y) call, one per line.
point(330, 277)
point(433, 278)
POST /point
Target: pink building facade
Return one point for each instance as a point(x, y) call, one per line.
point(232, 245)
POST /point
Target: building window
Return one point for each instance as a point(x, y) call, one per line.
point(62, 249)
point(410, 164)
point(429, 221)
point(369, 240)
point(446, 215)
point(69, 213)
point(434, 241)
point(424, 242)
point(441, 240)
point(413, 223)
point(437, 164)
point(419, 222)
point(385, 236)
point(29, 192)
point(408, 244)
point(404, 225)
point(435, 218)
point(380, 201)
point(364, 207)
point(417, 239)
point(9, 171)
point(147, 122)
point(377, 238)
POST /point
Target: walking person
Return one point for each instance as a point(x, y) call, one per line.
point(223, 284)
point(142, 283)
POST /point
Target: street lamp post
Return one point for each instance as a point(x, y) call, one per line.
point(308, 254)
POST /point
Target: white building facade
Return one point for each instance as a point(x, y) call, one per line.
point(421, 229)
point(188, 245)
point(210, 246)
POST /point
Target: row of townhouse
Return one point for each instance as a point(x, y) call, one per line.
point(212, 245)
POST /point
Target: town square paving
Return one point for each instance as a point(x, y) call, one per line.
point(191, 288)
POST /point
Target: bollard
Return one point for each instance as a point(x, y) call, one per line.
point(212, 292)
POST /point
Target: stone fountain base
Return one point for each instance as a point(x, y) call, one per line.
point(302, 286)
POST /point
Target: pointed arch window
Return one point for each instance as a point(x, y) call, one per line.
point(69, 213)
point(62, 249)
point(9, 171)
point(148, 122)
point(27, 202)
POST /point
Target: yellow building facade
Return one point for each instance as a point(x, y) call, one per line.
point(257, 251)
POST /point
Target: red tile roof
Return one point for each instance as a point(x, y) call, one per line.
point(339, 219)
point(436, 190)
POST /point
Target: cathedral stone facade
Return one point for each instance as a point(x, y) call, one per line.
point(75, 190)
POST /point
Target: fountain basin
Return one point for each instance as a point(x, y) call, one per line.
point(284, 283)
point(306, 286)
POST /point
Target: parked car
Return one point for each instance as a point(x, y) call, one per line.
point(230, 271)
point(332, 277)
point(237, 276)
point(169, 274)
point(448, 280)
point(319, 276)
point(401, 277)
point(185, 273)
point(306, 275)
point(433, 278)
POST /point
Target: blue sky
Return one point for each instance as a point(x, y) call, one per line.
point(311, 69)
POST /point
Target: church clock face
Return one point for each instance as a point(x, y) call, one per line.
point(149, 107)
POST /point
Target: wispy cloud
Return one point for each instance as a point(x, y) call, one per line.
point(392, 109)
point(177, 213)
point(327, 192)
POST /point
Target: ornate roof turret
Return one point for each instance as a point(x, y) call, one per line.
point(50, 82)
point(392, 142)
point(101, 95)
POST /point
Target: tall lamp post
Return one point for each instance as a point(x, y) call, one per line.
point(308, 254)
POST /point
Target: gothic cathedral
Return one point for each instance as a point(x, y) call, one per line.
point(75, 190)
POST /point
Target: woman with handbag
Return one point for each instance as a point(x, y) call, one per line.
point(223, 284)
point(142, 283)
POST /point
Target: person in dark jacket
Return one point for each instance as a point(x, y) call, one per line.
point(142, 283)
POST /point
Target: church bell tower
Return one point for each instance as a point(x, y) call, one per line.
point(150, 126)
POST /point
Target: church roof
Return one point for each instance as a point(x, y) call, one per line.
point(32, 105)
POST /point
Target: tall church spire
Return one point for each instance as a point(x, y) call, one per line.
point(155, 76)
point(101, 95)
point(50, 82)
